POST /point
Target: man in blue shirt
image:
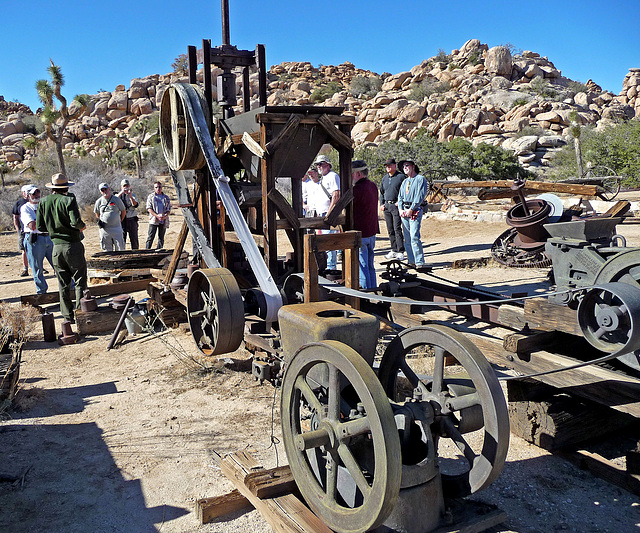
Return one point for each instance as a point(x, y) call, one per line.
point(412, 193)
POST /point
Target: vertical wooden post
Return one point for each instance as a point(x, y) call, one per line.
point(311, 289)
point(261, 63)
point(192, 56)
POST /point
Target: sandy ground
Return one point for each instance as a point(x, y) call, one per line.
point(122, 440)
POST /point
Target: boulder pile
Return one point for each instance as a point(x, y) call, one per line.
point(519, 101)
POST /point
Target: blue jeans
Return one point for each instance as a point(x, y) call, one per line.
point(412, 242)
point(367, 268)
point(36, 252)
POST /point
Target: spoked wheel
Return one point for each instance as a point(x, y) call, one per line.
point(505, 252)
point(609, 317)
point(395, 271)
point(179, 142)
point(471, 425)
point(340, 437)
point(215, 311)
point(610, 182)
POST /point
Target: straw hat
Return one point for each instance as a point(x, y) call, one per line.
point(59, 181)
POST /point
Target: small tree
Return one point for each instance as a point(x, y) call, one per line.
point(575, 131)
point(4, 169)
point(180, 65)
point(144, 125)
point(56, 118)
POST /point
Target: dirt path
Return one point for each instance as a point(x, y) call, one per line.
point(121, 441)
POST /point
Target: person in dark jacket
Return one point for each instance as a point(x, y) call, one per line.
point(59, 216)
point(365, 220)
point(389, 188)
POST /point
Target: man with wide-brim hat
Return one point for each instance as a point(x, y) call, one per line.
point(411, 198)
point(59, 216)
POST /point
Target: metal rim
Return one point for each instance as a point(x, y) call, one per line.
point(351, 420)
point(505, 252)
point(215, 311)
point(609, 317)
point(474, 403)
point(610, 182)
point(179, 142)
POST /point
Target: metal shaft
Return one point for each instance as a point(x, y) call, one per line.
point(225, 22)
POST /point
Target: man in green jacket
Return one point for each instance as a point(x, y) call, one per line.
point(59, 216)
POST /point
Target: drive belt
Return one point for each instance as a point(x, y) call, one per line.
point(266, 282)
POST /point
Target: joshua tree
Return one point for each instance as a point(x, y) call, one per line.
point(56, 118)
point(575, 130)
point(4, 169)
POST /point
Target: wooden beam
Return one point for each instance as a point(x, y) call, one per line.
point(208, 509)
point(253, 146)
point(539, 313)
point(540, 186)
point(345, 199)
point(284, 209)
point(336, 135)
point(285, 514)
point(101, 320)
point(97, 291)
point(311, 118)
point(177, 253)
point(311, 222)
point(271, 483)
point(286, 135)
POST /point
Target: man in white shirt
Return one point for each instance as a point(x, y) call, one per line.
point(323, 196)
point(37, 245)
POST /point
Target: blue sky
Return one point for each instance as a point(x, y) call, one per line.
point(99, 45)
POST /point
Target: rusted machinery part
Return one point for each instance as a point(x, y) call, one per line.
point(505, 252)
point(471, 403)
point(609, 317)
point(215, 311)
point(395, 271)
point(529, 223)
point(180, 144)
point(352, 435)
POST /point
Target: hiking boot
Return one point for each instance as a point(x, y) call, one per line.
point(24, 272)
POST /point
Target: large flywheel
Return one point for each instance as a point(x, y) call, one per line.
point(215, 311)
point(471, 425)
point(340, 436)
point(179, 141)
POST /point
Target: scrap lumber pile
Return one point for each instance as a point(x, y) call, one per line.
point(164, 304)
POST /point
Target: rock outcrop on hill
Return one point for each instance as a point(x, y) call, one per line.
point(479, 93)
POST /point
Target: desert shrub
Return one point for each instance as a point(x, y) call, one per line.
point(519, 102)
point(365, 86)
point(326, 91)
point(542, 87)
point(474, 58)
point(427, 87)
point(617, 147)
point(32, 124)
point(436, 160)
point(441, 57)
point(180, 65)
point(577, 87)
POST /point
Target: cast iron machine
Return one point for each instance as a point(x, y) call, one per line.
point(366, 450)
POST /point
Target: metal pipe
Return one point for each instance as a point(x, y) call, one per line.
point(225, 22)
point(120, 322)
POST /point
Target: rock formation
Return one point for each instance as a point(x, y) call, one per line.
point(482, 94)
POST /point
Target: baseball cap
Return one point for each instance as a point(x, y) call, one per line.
point(124, 182)
point(103, 186)
point(33, 189)
point(26, 188)
point(390, 161)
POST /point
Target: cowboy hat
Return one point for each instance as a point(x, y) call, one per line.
point(59, 181)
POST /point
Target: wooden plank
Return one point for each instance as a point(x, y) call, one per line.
point(540, 314)
point(345, 200)
point(334, 133)
point(285, 514)
point(97, 291)
point(603, 386)
point(311, 118)
point(208, 509)
point(284, 209)
point(286, 135)
point(271, 483)
point(177, 253)
point(604, 469)
point(539, 186)
point(618, 209)
point(523, 343)
point(232, 236)
point(312, 222)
